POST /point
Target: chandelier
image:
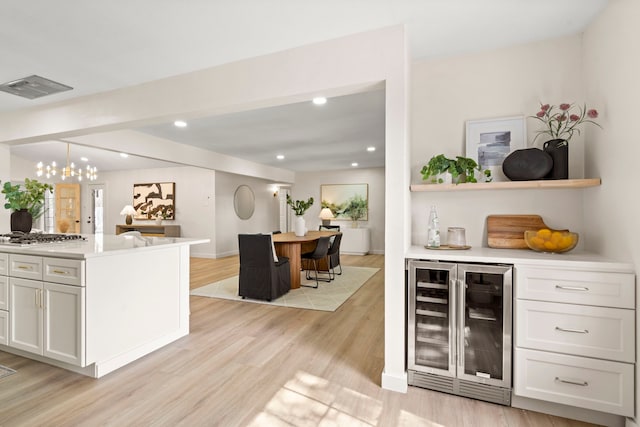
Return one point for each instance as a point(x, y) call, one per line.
point(69, 171)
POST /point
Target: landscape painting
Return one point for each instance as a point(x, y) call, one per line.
point(346, 201)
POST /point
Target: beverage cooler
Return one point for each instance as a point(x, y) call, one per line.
point(459, 329)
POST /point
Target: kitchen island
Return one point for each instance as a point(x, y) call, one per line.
point(94, 305)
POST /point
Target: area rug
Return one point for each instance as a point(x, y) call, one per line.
point(5, 372)
point(328, 297)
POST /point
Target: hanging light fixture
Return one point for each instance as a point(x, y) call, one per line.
point(69, 171)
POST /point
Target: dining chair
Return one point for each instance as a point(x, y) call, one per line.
point(333, 255)
point(261, 276)
point(328, 227)
point(320, 252)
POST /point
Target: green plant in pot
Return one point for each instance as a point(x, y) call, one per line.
point(462, 169)
point(356, 209)
point(26, 204)
point(299, 207)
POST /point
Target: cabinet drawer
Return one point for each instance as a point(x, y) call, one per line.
point(4, 327)
point(4, 293)
point(577, 381)
point(25, 266)
point(577, 287)
point(605, 333)
point(4, 264)
point(65, 271)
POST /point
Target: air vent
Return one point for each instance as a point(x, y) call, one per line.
point(33, 87)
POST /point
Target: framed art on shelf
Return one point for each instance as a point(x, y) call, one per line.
point(490, 141)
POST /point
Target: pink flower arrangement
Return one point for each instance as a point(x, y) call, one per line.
point(562, 121)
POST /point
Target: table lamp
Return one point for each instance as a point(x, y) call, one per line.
point(128, 211)
point(326, 216)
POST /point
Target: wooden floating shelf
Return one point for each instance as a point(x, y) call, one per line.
point(510, 185)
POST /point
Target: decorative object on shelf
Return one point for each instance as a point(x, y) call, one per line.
point(326, 216)
point(151, 198)
point(26, 204)
point(490, 141)
point(560, 123)
point(552, 241)
point(527, 164)
point(299, 207)
point(69, 171)
point(558, 150)
point(462, 169)
point(129, 211)
point(341, 198)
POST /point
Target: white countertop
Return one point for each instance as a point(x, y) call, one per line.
point(100, 245)
point(572, 259)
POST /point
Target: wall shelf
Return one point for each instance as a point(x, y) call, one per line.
point(509, 185)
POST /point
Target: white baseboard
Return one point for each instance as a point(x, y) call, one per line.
point(395, 382)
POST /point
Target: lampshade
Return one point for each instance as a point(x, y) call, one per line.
point(128, 210)
point(326, 215)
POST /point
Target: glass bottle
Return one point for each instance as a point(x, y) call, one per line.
point(433, 236)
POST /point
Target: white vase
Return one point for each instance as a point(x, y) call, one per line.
point(299, 226)
point(158, 221)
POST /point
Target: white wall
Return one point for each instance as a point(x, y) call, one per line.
point(501, 83)
point(612, 63)
point(195, 201)
point(308, 185)
point(5, 175)
point(228, 225)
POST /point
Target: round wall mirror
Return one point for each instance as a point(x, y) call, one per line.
point(244, 202)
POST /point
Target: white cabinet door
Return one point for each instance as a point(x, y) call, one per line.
point(25, 312)
point(4, 293)
point(4, 327)
point(63, 323)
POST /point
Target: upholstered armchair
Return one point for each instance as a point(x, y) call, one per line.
point(263, 275)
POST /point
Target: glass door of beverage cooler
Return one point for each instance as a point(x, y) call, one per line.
point(484, 322)
point(432, 320)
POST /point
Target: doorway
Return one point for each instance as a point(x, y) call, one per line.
point(96, 213)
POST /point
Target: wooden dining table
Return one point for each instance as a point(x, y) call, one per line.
point(291, 246)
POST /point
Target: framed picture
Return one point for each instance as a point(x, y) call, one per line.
point(490, 141)
point(153, 200)
point(346, 201)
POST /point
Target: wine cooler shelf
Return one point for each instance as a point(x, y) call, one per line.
point(460, 327)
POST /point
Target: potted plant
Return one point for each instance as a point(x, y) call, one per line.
point(299, 207)
point(356, 209)
point(26, 204)
point(462, 169)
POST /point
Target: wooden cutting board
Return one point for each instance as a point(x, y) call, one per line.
point(507, 231)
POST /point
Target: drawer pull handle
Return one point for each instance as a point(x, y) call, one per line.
point(60, 272)
point(580, 383)
point(577, 331)
point(572, 288)
point(24, 267)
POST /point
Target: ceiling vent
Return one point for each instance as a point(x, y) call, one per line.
point(33, 87)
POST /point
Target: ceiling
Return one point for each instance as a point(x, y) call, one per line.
point(100, 46)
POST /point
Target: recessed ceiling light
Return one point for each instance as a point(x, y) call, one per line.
point(280, 157)
point(180, 123)
point(124, 155)
point(84, 159)
point(370, 149)
point(320, 100)
point(354, 164)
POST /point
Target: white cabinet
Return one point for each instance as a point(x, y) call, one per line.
point(46, 318)
point(355, 241)
point(4, 299)
point(575, 338)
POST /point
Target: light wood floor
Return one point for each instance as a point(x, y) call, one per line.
point(251, 365)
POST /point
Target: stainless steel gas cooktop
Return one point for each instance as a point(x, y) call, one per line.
point(18, 238)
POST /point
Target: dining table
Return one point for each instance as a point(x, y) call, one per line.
point(291, 246)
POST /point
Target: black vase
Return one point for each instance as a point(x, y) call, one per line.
point(21, 221)
point(558, 149)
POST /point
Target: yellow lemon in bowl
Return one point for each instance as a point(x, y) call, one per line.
point(554, 241)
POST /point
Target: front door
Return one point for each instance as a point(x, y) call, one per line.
point(67, 208)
